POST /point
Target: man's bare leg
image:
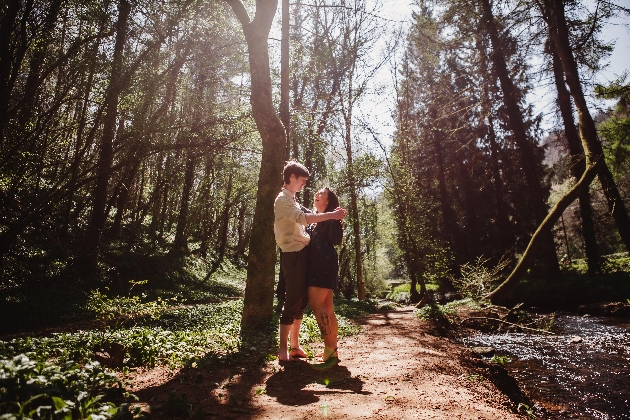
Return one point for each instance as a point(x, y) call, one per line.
point(294, 339)
point(283, 352)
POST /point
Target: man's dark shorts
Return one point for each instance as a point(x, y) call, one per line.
point(295, 270)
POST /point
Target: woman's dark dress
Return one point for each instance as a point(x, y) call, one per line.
point(324, 263)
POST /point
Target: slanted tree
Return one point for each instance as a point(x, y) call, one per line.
point(554, 13)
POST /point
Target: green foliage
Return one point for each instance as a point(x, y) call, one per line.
point(400, 293)
point(443, 313)
point(435, 312)
point(176, 337)
point(106, 309)
point(576, 287)
point(354, 308)
point(31, 389)
point(618, 265)
point(500, 360)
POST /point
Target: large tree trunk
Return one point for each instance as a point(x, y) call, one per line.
point(503, 223)
point(106, 155)
point(261, 262)
point(578, 163)
point(547, 252)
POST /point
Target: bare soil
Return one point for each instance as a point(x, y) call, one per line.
point(397, 368)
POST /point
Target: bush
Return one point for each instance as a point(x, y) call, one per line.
point(477, 279)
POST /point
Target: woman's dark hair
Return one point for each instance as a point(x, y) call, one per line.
point(333, 200)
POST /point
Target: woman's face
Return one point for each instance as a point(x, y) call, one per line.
point(321, 200)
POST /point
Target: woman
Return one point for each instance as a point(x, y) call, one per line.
point(323, 268)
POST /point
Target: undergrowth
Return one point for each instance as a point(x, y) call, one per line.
point(436, 312)
point(31, 389)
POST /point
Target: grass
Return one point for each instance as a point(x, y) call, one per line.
point(402, 292)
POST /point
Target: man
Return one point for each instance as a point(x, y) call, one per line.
point(291, 237)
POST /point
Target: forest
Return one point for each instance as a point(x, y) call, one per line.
point(142, 146)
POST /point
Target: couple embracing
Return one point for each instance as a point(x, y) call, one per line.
point(309, 261)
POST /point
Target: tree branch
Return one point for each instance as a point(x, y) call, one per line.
point(239, 11)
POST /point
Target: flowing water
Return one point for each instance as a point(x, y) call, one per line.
point(581, 372)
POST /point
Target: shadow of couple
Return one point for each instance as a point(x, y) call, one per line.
point(288, 385)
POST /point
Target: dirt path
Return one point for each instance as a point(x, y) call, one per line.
point(393, 370)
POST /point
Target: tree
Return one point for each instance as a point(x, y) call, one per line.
point(258, 303)
point(554, 13)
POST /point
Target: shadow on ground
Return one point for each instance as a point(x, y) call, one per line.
point(229, 389)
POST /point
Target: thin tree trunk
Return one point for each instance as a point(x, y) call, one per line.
point(225, 222)
point(502, 294)
point(448, 218)
point(180, 244)
point(261, 262)
point(106, 155)
point(284, 78)
point(354, 208)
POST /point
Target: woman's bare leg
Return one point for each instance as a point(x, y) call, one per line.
point(320, 300)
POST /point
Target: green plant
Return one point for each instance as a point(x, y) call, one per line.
point(477, 279)
point(500, 360)
point(400, 293)
point(435, 312)
point(31, 389)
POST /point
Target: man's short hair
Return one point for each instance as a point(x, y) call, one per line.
point(294, 168)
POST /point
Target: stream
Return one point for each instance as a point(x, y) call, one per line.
point(581, 372)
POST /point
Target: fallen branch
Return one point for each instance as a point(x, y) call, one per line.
point(509, 323)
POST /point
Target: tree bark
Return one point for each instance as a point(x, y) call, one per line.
point(225, 223)
point(354, 207)
point(258, 302)
point(106, 155)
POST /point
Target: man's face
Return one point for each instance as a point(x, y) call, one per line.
point(297, 183)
